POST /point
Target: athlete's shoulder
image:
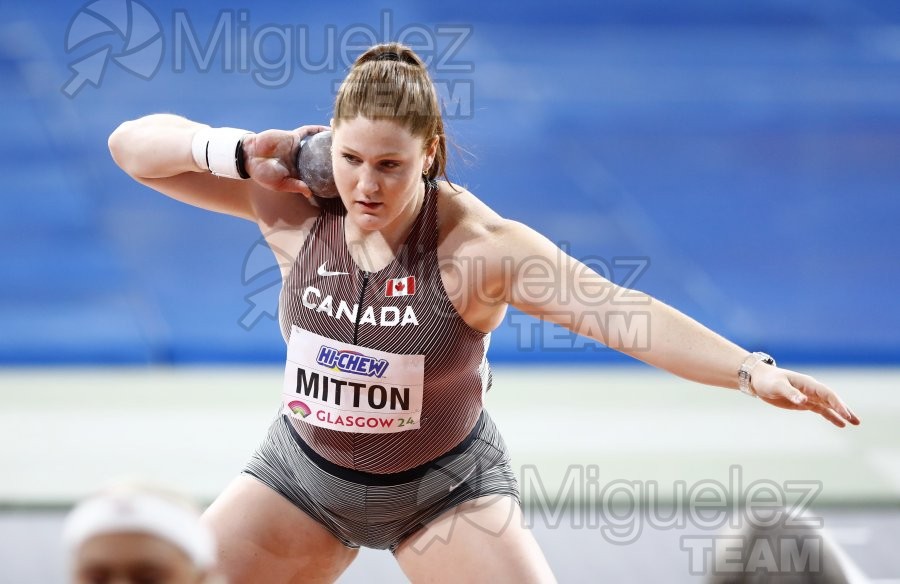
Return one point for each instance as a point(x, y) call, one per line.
point(463, 214)
point(277, 210)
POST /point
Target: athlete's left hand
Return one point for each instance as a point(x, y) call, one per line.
point(795, 391)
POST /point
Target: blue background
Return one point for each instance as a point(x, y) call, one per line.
point(747, 151)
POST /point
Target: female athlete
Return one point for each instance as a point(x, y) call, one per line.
point(389, 295)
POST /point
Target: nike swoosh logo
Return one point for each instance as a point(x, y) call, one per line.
point(470, 473)
point(323, 272)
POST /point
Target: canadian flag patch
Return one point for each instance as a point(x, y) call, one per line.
point(401, 286)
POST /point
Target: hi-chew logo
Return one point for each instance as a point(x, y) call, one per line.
point(351, 362)
point(104, 20)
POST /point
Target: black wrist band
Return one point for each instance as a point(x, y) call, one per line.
point(239, 159)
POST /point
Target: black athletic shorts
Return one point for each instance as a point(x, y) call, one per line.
point(381, 510)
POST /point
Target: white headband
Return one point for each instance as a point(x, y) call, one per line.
point(144, 513)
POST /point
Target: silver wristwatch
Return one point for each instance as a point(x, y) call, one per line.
point(747, 367)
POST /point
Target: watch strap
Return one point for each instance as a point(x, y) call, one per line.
point(746, 369)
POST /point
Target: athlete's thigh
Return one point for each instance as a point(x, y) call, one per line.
point(483, 540)
point(262, 537)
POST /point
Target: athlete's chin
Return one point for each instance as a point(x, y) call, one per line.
point(369, 221)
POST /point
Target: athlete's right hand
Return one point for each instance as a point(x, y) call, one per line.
point(270, 158)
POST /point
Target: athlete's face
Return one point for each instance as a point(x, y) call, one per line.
point(378, 168)
point(132, 558)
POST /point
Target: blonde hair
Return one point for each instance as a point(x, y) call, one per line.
point(390, 82)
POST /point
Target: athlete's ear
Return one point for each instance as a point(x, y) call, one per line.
point(431, 150)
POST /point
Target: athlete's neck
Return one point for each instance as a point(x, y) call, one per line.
point(373, 250)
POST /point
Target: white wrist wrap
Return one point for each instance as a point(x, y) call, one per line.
point(216, 150)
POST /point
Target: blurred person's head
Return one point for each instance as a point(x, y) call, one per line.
point(794, 550)
point(138, 535)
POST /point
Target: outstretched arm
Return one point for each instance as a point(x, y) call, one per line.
point(599, 309)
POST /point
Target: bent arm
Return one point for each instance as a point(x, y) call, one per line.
point(155, 150)
point(155, 146)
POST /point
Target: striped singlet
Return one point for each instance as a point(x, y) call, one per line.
point(327, 294)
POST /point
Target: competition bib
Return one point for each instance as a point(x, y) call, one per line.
point(343, 387)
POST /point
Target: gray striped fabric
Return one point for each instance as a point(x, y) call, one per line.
point(381, 515)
